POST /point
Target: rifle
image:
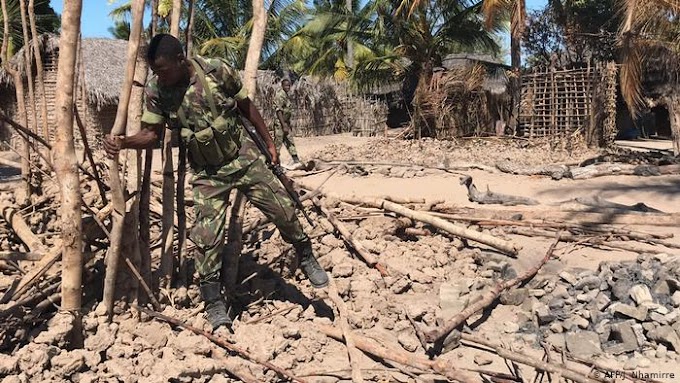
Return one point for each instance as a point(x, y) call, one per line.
point(276, 169)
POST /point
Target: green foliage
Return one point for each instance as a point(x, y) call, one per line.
point(572, 31)
point(45, 18)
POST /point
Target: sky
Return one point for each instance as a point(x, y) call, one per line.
point(95, 20)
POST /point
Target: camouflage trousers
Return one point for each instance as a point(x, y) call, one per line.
point(279, 140)
point(211, 195)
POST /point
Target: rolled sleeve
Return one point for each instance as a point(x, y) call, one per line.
point(152, 118)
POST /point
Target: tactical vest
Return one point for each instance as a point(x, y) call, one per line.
point(216, 140)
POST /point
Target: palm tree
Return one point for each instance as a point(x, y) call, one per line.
point(649, 24)
point(495, 9)
point(45, 18)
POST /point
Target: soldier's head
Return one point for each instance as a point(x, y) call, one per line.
point(285, 85)
point(166, 59)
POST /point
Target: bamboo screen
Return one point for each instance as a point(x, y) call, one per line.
point(557, 102)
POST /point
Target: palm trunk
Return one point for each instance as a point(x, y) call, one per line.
point(255, 47)
point(66, 164)
point(39, 72)
point(28, 57)
point(175, 17)
point(24, 191)
point(117, 199)
point(519, 17)
point(673, 105)
point(350, 47)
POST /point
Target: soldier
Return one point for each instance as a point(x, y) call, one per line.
point(281, 130)
point(206, 95)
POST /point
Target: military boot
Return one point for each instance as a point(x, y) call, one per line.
point(215, 307)
point(310, 266)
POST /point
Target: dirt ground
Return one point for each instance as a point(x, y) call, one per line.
point(280, 315)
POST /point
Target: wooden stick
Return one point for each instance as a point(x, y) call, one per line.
point(349, 239)
point(222, 343)
point(487, 299)
point(402, 357)
point(354, 354)
point(489, 240)
point(38, 271)
point(154, 302)
point(21, 228)
point(19, 256)
point(518, 357)
point(271, 315)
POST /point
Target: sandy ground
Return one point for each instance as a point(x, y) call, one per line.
point(377, 305)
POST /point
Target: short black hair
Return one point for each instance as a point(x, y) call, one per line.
point(286, 79)
point(163, 45)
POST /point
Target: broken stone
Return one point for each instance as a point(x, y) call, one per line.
point(560, 291)
point(621, 289)
point(514, 297)
point(665, 334)
point(639, 313)
point(676, 298)
point(589, 282)
point(401, 285)
point(649, 326)
point(556, 327)
point(8, 364)
point(409, 342)
point(68, 363)
point(625, 336)
point(557, 340)
point(661, 288)
point(556, 304)
point(583, 344)
point(537, 292)
point(544, 315)
point(661, 351)
point(658, 318)
point(580, 322)
point(568, 277)
point(601, 301)
point(641, 294)
point(631, 364)
point(343, 270)
point(482, 359)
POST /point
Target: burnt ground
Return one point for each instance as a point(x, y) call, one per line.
point(431, 278)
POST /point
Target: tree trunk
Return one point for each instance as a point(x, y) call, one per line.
point(175, 17)
point(518, 26)
point(255, 47)
point(39, 72)
point(134, 179)
point(117, 198)
point(349, 63)
point(189, 32)
point(28, 59)
point(673, 105)
point(22, 194)
point(167, 230)
point(66, 164)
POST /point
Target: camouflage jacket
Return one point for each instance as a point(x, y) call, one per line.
point(161, 105)
point(282, 103)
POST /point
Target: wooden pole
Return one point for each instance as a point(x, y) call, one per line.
point(113, 256)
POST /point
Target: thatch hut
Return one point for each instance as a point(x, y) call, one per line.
point(100, 75)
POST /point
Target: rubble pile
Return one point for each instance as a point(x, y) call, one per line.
point(622, 309)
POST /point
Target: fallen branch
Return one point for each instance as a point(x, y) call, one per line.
point(571, 217)
point(19, 256)
point(21, 228)
point(540, 365)
point(555, 172)
point(487, 299)
point(154, 302)
point(600, 170)
point(222, 343)
point(491, 198)
point(402, 357)
point(354, 354)
point(489, 240)
point(349, 239)
point(602, 203)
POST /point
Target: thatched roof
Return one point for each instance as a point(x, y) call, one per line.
point(660, 70)
point(495, 81)
point(104, 63)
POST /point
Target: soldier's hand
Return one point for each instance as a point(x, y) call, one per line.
point(272, 152)
point(113, 144)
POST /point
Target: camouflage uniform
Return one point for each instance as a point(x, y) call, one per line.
point(282, 103)
point(247, 172)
